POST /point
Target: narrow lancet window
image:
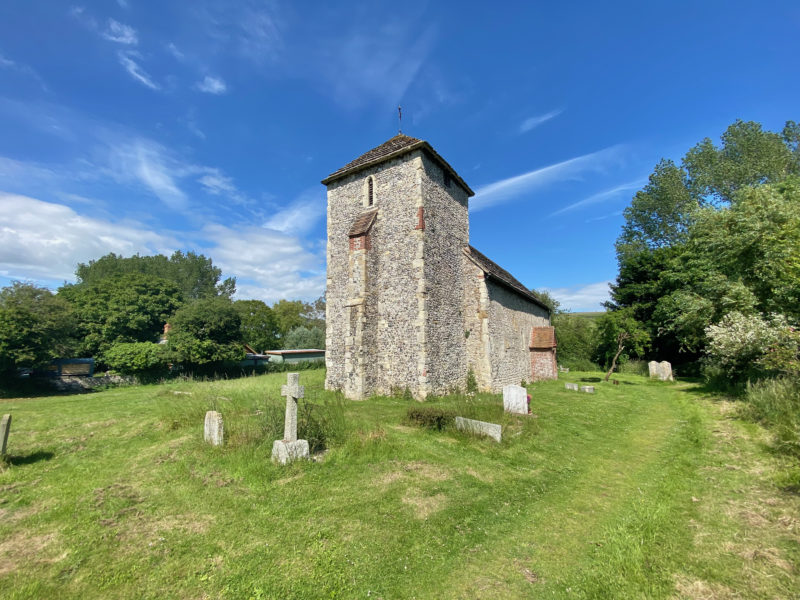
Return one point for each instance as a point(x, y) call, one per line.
point(370, 197)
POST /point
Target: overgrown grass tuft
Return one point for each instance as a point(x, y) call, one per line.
point(775, 403)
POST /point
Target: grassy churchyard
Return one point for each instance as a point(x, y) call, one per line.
point(642, 490)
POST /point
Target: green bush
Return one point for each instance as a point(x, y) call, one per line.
point(634, 367)
point(433, 417)
point(145, 360)
point(775, 403)
point(577, 338)
point(578, 364)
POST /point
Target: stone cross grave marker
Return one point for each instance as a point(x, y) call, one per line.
point(5, 427)
point(214, 432)
point(515, 399)
point(290, 448)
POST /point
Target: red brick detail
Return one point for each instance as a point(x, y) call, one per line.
point(543, 364)
point(359, 242)
point(420, 219)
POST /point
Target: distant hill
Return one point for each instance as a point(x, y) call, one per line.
point(592, 316)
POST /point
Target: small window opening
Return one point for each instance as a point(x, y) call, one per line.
point(370, 196)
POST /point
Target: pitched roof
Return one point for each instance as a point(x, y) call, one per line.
point(397, 146)
point(543, 337)
point(363, 222)
point(492, 269)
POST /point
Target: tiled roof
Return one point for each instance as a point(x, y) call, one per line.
point(397, 146)
point(362, 224)
point(492, 269)
point(543, 337)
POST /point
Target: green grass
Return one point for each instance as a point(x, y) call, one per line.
point(642, 490)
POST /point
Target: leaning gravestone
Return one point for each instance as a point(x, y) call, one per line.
point(515, 399)
point(571, 386)
point(589, 389)
point(5, 427)
point(290, 448)
point(661, 370)
point(492, 430)
point(214, 432)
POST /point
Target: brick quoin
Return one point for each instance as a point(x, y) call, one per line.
point(360, 242)
point(420, 219)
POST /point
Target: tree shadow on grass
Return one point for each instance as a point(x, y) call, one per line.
point(591, 379)
point(29, 459)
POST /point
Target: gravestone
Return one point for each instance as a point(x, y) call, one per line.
point(214, 432)
point(589, 389)
point(290, 448)
point(5, 427)
point(563, 369)
point(492, 430)
point(515, 399)
point(660, 370)
point(571, 386)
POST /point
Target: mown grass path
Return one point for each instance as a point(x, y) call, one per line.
point(642, 490)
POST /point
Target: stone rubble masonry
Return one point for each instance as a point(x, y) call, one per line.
point(492, 430)
point(214, 432)
point(515, 399)
point(406, 309)
point(5, 428)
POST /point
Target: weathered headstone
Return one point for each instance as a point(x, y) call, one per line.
point(5, 427)
point(589, 389)
point(214, 432)
point(660, 370)
point(290, 448)
point(563, 369)
point(515, 399)
point(571, 386)
point(492, 430)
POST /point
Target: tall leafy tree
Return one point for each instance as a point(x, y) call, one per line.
point(621, 336)
point(35, 327)
point(130, 308)
point(206, 332)
point(194, 274)
point(259, 324)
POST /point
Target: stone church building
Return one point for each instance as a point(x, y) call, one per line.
point(410, 304)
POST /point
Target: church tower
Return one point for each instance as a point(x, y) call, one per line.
point(398, 226)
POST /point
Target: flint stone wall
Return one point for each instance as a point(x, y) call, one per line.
point(511, 320)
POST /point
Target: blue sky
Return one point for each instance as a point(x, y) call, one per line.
point(130, 126)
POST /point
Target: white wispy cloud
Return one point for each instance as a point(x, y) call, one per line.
point(533, 122)
point(7, 63)
point(375, 63)
point(133, 68)
point(120, 33)
point(299, 216)
point(268, 265)
point(44, 240)
point(175, 52)
point(521, 185)
point(584, 297)
point(152, 166)
point(601, 196)
point(212, 85)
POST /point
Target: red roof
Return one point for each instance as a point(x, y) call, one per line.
point(543, 337)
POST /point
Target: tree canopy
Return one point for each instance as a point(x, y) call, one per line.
point(194, 274)
point(717, 235)
point(35, 327)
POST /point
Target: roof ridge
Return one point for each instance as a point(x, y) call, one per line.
point(492, 269)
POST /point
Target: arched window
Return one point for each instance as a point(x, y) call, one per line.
point(370, 191)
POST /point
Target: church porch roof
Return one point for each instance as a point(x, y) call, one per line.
point(393, 148)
